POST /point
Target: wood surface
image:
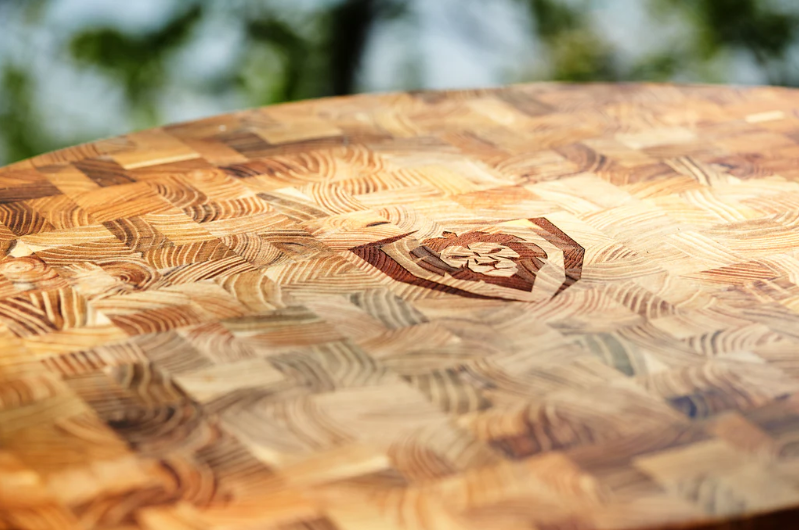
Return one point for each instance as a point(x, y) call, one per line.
point(543, 307)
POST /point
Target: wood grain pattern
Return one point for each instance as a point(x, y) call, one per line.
point(547, 307)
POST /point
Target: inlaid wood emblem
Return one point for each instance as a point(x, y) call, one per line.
point(526, 260)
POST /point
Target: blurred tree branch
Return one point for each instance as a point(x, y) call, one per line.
point(350, 24)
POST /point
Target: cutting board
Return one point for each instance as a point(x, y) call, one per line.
point(545, 307)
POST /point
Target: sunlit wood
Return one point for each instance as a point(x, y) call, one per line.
point(542, 307)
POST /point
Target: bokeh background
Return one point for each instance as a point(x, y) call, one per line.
point(78, 70)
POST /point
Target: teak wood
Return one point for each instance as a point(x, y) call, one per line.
point(542, 307)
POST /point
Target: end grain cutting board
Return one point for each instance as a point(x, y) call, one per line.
point(543, 307)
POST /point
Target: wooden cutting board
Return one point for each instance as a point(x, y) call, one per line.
point(542, 307)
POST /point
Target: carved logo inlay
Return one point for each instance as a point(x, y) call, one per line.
point(527, 260)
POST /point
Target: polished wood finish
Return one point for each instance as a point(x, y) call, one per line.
point(542, 307)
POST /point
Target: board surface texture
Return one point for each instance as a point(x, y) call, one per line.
point(543, 307)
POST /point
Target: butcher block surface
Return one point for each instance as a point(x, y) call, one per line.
point(540, 307)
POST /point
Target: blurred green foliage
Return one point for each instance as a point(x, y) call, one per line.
point(136, 62)
point(291, 53)
point(575, 51)
point(18, 117)
point(758, 27)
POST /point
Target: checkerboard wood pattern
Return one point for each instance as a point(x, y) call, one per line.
point(543, 307)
